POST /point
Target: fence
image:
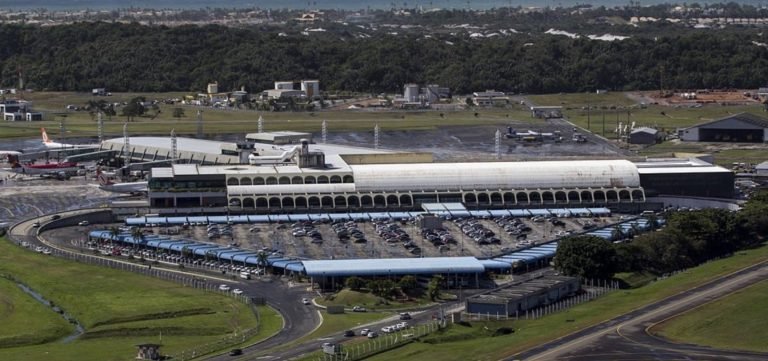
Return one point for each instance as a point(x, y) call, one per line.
point(386, 341)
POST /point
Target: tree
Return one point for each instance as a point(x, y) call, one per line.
point(408, 283)
point(433, 289)
point(386, 288)
point(262, 259)
point(354, 283)
point(134, 108)
point(586, 257)
point(374, 286)
point(178, 112)
point(113, 232)
point(138, 236)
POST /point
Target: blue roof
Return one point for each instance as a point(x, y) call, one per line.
point(295, 266)
point(519, 213)
point(255, 218)
point(299, 217)
point(460, 213)
point(494, 264)
point(218, 219)
point(393, 266)
point(339, 216)
point(279, 218)
point(539, 212)
point(479, 213)
point(379, 215)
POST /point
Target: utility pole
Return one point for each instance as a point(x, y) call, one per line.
point(174, 147)
point(101, 126)
point(199, 124)
point(376, 137)
point(260, 125)
point(324, 131)
point(498, 144)
point(127, 144)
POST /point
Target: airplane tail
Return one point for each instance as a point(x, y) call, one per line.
point(45, 136)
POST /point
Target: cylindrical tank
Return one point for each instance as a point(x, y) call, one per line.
point(411, 93)
point(311, 88)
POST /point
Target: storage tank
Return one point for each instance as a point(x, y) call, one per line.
point(285, 85)
point(411, 93)
point(213, 88)
point(432, 93)
point(311, 88)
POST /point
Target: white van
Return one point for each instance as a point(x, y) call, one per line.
point(245, 275)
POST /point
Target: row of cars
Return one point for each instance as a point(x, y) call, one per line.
point(477, 231)
point(347, 230)
point(307, 229)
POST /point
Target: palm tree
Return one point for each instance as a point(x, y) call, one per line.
point(138, 237)
point(113, 232)
point(261, 259)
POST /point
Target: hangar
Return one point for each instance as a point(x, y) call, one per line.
point(737, 128)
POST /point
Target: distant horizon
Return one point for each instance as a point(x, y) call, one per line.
point(79, 5)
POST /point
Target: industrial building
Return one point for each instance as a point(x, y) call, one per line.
point(737, 128)
point(685, 177)
point(524, 296)
point(644, 135)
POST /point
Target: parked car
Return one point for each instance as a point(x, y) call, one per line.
point(223, 287)
point(236, 352)
point(364, 332)
point(349, 333)
point(306, 301)
point(372, 334)
point(83, 223)
point(405, 316)
point(237, 291)
point(359, 309)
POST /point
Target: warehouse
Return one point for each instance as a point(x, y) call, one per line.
point(685, 177)
point(737, 128)
point(644, 135)
point(523, 296)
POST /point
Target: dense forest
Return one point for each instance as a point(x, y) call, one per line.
point(687, 240)
point(133, 57)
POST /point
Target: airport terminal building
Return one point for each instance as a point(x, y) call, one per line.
point(286, 173)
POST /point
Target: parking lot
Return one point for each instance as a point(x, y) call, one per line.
point(324, 239)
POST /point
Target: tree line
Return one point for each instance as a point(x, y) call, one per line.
point(133, 57)
point(687, 240)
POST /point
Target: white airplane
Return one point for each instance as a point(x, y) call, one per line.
point(48, 143)
point(106, 182)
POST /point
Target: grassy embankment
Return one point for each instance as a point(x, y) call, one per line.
point(736, 321)
point(478, 342)
point(81, 123)
point(117, 309)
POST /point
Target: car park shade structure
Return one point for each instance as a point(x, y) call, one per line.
point(363, 216)
point(393, 266)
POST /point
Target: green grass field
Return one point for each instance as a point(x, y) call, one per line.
point(118, 310)
point(733, 322)
point(81, 123)
point(579, 100)
point(25, 320)
point(474, 343)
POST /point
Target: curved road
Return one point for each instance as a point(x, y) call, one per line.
point(627, 338)
point(298, 319)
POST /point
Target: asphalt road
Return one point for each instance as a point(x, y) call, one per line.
point(627, 338)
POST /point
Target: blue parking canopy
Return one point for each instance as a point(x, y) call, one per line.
point(202, 250)
point(359, 216)
point(399, 215)
point(198, 219)
point(217, 219)
point(241, 257)
point(138, 221)
point(463, 213)
point(560, 212)
point(339, 216)
point(99, 233)
point(279, 218)
point(479, 213)
point(519, 213)
point(155, 219)
point(298, 217)
point(493, 264)
point(539, 212)
point(258, 218)
point(176, 220)
point(599, 211)
point(580, 212)
point(179, 246)
point(228, 251)
point(499, 212)
point(319, 216)
point(378, 215)
point(272, 260)
point(296, 266)
point(238, 219)
point(516, 257)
